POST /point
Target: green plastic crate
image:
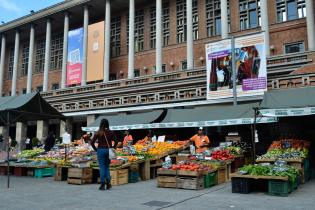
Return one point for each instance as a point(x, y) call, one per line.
point(278, 188)
point(306, 165)
point(295, 184)
point(133, 177)
point(213, 179)
point(44, 172)
point(207, 181)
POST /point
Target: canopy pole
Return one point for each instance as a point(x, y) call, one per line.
point(254, 134)
point(8, 151)
point(233, 71)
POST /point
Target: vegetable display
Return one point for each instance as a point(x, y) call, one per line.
point(270, 170)
point(222, 155)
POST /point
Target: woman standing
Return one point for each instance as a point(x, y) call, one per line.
point(104, 137)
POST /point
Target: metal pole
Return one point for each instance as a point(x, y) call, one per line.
point(254, 134)
point(8, 151)
point(233, 71)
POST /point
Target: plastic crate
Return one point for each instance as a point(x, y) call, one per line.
point(133, 177)
point(295, 184)
point(278, 188)
point(44, 172)
point(306, 165)
point(240, 185)
point(207, 181)
point(213, 179)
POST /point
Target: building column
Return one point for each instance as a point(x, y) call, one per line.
point(15, 62)
point(224, 19)
point(20, 136)
point(107, 40)
point(190, 38)
point(310, 24)
point(65, 126)
point(47, 55)
point(2, 61)
point(131, 54)
point(65, 52)
point(30, 60)
point(4, 130)
point(85, 44)
point(159, 40)
point(90, 119)
point(42, 130)
point(265, 24)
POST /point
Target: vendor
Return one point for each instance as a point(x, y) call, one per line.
point(128, 140)
point(148, 137)
point(201, 141)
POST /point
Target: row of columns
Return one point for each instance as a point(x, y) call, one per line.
point(131, 51)
point(41, 132)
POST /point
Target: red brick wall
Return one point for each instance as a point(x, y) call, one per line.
point(291, 31)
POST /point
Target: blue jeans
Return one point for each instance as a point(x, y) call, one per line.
point(103, 162)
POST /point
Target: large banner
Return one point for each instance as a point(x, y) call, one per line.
point(251, 67)
point(95, 55)
point(75, 56)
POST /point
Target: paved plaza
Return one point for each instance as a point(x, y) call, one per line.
point(41, 194)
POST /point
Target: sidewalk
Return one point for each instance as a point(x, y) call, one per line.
point(30, 193)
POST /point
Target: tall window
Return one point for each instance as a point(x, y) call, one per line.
point(139, 30)
point(56, 52)
point(153, 27)
point(182, 20)
point(290, 10)
point(213, 15)
point(11, 63)
point(25, 55)
point(40, 56)
point(166, 22)
point(249, 14)
point(115, 36)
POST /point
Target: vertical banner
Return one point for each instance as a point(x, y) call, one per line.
point(95, 55)
point(251, 67)
point(75, 56)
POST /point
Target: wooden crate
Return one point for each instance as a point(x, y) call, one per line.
point(144, 170)
point(79, 181)
point(222, 175)
point(181, 158)
point(166, 172)
point(189, 173)
point(167, 181)
point(82, 173)
point(190, 183)
point(61, 174)
point(119, 177)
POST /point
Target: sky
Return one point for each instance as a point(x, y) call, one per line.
point(13, 9)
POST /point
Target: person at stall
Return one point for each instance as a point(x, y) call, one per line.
point(128, 140)
point(200, 141)
point(104, 137)
point(148, 137)
point(50, 141)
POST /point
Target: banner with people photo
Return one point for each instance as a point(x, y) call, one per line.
point(250, 64)
point(75, 57)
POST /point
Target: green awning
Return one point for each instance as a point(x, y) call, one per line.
point(289, 102)
point(128, 121)
point(27, 107)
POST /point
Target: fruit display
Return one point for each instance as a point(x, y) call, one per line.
point(158, 148)
point(222, 155)
point(290, 143)
point(191, 166)
point(270, 170)
point(30, 153)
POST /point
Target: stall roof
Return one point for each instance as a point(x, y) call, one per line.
point(289, 102)
point(128, 121)
point(27, 107)
point(215, 115)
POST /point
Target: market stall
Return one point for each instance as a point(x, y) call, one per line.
point(23, 108)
